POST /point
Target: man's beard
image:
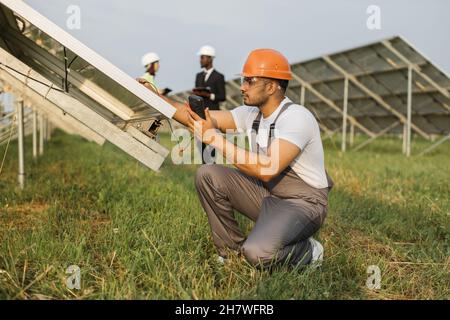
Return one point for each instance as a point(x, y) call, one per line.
point(255, 103)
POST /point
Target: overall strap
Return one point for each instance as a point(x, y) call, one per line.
point(254, 132)
point(272, 125)
point(257, 121)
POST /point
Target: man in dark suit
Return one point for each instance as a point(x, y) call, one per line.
point(209, 83)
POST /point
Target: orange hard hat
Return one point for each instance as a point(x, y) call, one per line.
point(267, 63)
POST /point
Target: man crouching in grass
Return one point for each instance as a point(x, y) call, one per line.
point(281, 183)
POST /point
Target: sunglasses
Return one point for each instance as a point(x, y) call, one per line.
point(251, 81)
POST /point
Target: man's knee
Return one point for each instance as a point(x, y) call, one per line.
point(256, 254)
point(205, 173)
point(209, 173)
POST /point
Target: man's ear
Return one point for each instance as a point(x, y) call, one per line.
point(273, 87)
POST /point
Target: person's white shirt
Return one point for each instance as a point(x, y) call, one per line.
point(208, 73)
point(296, 125)
point(212, 97)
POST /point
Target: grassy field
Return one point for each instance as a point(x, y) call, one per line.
point(137, 234)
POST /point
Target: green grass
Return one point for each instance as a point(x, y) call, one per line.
point(137, 234)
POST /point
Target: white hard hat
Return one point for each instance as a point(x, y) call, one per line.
point(207, 51)
point(149, 58)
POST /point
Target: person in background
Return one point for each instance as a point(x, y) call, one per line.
point(151, 63)
point(209, 84)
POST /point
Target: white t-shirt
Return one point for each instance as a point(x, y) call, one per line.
point(296, 125)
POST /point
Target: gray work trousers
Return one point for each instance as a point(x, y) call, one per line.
point(282, 226)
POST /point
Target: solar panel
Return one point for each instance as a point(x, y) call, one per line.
point(377, 89)
point(53, 64)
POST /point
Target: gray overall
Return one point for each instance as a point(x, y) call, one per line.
point(287, 210)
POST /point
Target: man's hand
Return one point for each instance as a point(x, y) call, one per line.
point(203, 129)
point(146, 84)
point(166, 91)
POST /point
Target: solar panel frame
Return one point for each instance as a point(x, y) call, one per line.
point(102, 65)
point(61, 120)
point(118, 101)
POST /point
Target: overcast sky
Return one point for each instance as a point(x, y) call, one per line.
point(122, 31)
